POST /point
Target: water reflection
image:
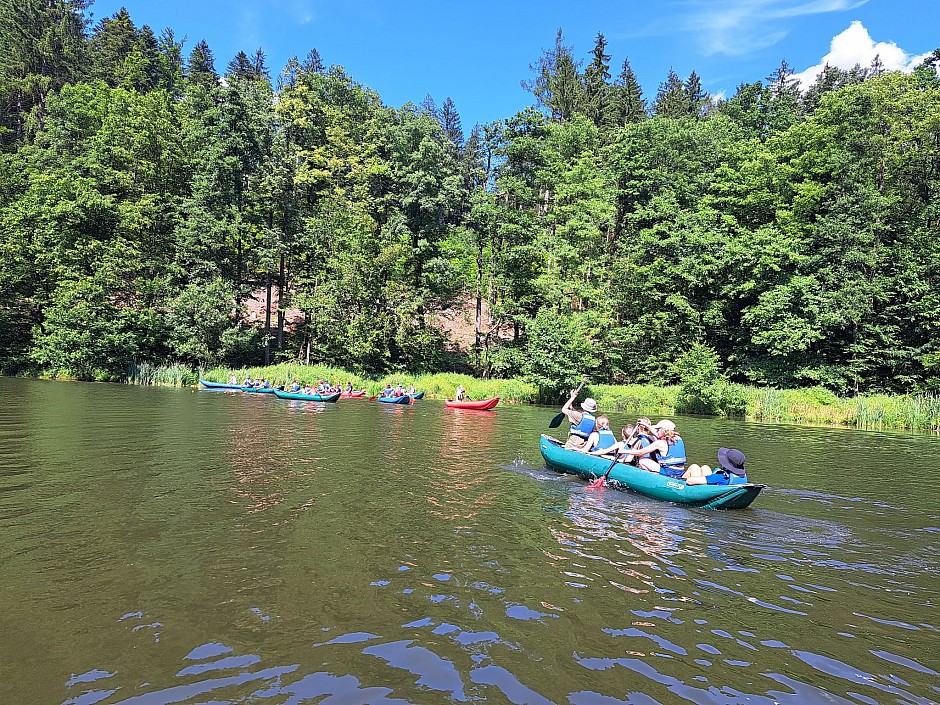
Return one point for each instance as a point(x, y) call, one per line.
point(215, 548)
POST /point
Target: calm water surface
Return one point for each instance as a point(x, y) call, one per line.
point(172, 546)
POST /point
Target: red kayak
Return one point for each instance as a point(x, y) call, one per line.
point(354, 395)
point(482, 405)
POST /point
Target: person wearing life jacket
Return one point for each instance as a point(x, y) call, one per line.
point(295, 387)
point(602, 440)
point(387, 392)
point(665, 455)
point(643, 437)
point(582, 422)
point(729, 471)
point(349, 387)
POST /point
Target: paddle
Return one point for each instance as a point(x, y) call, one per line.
point(598, 484)
point(556, 422)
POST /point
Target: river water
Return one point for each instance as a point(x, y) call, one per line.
point(178, 546)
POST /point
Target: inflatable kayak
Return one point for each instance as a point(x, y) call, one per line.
point(394, 400)
point(307, 397)
point(259, 390)
point(623, 476)
point(418, 395)
point(218, 385)
point(353, 395)
point(482, 405)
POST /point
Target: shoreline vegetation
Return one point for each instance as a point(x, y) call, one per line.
point(814, 405)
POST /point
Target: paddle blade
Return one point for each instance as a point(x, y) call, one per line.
point(556, 422)
point(597, 484)
point(373, 397)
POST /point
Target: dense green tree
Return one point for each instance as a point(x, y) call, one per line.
point(557, 86)
point(672, 100)
point(628, 103)
point(43, 48)
point(201, 66)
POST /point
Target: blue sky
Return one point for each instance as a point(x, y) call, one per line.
point(478, 53)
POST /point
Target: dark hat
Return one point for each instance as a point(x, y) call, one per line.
point(732, 459)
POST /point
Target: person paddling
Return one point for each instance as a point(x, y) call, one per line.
point(582, 422)
point(730, 470)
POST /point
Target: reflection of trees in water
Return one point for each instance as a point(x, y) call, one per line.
point(455, 486)
point(263, 453)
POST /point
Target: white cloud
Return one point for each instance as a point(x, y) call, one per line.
point(737, 27)
point(855, 46)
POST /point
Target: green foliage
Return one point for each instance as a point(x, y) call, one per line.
point(151, 216)
point(85, 334)
point(557, 354)
point(704, 389)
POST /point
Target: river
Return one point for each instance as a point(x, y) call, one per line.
point(178, 546)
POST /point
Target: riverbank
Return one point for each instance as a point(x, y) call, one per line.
point(916, 412)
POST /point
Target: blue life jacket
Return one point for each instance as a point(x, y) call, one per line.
point(675, 458)
point(585, 428)
point(295, 387)
point(720, 476)
point(605, 439)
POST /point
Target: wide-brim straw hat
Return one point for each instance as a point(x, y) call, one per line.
point(589, 405)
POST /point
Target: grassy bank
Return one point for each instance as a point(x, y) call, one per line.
point(815, 405)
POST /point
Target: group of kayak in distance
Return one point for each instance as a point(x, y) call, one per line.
point(322, 387)
point(396, 395)
point(656, 448)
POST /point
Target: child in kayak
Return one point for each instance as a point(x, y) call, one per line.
point(730, 470)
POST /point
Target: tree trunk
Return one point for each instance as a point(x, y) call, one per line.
point(479, 302)
point(267, 322)
point(280, 304)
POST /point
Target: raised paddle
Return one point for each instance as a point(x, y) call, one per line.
point(556, 422)
point(598, 484)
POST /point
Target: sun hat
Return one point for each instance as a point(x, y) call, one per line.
point(665, 425)
point(732, 459)
point(589, 405)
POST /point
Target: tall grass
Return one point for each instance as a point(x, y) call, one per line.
point(161, 375)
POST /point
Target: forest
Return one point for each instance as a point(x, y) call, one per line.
point(149, 195)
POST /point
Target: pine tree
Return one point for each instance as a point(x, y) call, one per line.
point(597, 95)
point(557, 86)
point(240, 67)
point(698, 99)
point(629, 104)
point(43, 47)
point(450, 121)
point(313, 63)
point(784, 96)
point(671, 99)
point(113, 43)
point(171, 63)
point(201, 68)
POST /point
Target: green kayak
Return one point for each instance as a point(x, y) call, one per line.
point(307, 397)
point(628, 477)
